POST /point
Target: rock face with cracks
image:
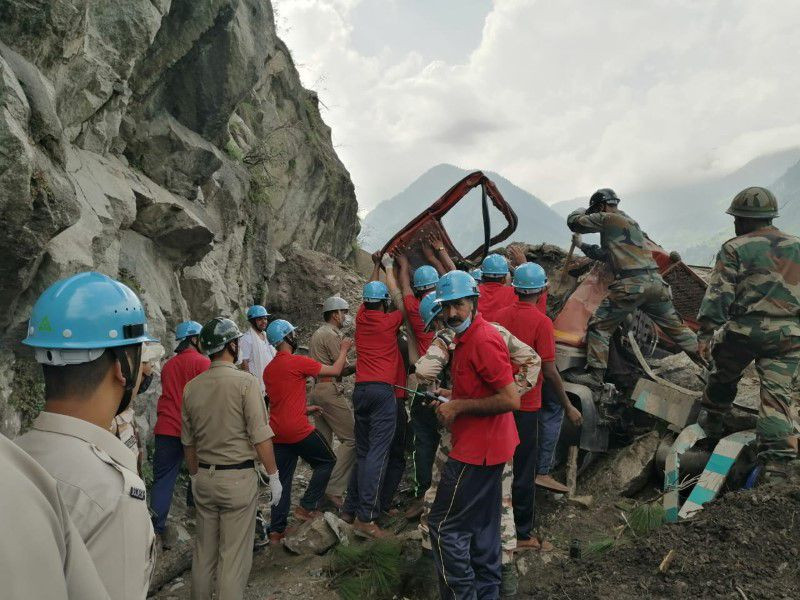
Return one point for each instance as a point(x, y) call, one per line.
point(168, 143)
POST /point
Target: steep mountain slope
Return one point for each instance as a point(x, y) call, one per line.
point(464, 223)
point(787, 189)
point(565, 207)
point(682, 216)
point(166, 142)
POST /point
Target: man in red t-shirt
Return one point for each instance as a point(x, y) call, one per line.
point(187, 364)
point(533, 327)
point(495, 294)
point(464, 521)
point(374, 404)
point(295, 437)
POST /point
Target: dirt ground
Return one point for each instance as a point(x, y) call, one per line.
point(745, 545)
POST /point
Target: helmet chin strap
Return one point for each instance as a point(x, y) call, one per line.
point(233, 345)
point(131, 374)
point(291, 339)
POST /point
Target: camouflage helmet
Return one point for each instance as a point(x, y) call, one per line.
point(604, 196)
point(216, 333)
point(755, 203)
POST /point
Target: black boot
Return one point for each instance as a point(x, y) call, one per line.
point(712, 422)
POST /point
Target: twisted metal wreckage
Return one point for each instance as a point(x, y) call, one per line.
point(638, 397)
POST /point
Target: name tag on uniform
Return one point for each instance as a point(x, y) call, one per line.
point(137, 493)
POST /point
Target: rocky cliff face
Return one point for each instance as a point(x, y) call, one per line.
point(167, 143)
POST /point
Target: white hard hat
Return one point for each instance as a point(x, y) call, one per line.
point(335, 303)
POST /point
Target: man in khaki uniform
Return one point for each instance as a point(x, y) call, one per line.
point(328, 394)
point(224, 427)
point(88, 331)
point(42, 554)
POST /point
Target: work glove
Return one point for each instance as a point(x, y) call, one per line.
point(276, 488)
point(387, 261)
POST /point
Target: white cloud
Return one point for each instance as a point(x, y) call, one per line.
point(561, 97)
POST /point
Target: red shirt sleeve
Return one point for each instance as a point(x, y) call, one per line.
point(545, 343)
point(412, 310)
point(408, 301)
point(493, 363)
point(307, 367)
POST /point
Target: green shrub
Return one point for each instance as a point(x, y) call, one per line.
point(371, 571)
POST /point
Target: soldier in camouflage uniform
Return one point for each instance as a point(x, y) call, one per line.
point(753, 304)
point(429, 368)
point(638, 283)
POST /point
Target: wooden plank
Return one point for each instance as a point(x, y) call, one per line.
point(572, 470)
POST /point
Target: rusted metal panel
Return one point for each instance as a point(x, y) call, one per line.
point(688, 289)
point(429, 222)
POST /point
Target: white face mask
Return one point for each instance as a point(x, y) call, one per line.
point(463, 326)
point(347, 322)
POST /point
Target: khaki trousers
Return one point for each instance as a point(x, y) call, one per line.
point(223, 543)
point(337, 419)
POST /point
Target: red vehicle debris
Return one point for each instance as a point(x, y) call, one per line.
point(429, 222)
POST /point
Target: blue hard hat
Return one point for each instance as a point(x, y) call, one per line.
point(375, 291)
point(494, 264)
point(477, 275)
point(529, 276)
point(256, 311)
point(88, 311)
point(455, 285)
point(187, 329)
point(429, 309)
point(425, 277)
point(278, 330)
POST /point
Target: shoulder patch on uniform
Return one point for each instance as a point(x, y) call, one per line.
point(138, 493)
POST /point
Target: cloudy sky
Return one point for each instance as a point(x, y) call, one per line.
point(561, 97)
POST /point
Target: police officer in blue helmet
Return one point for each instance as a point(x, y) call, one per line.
point(87, 333)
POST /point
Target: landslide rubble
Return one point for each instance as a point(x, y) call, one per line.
point(168, 143)
point(743, 545)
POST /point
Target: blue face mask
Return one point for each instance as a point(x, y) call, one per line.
point(463, 326)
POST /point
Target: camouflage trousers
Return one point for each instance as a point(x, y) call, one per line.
point(777, 356)
point(508, 532)
point(650, 294)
